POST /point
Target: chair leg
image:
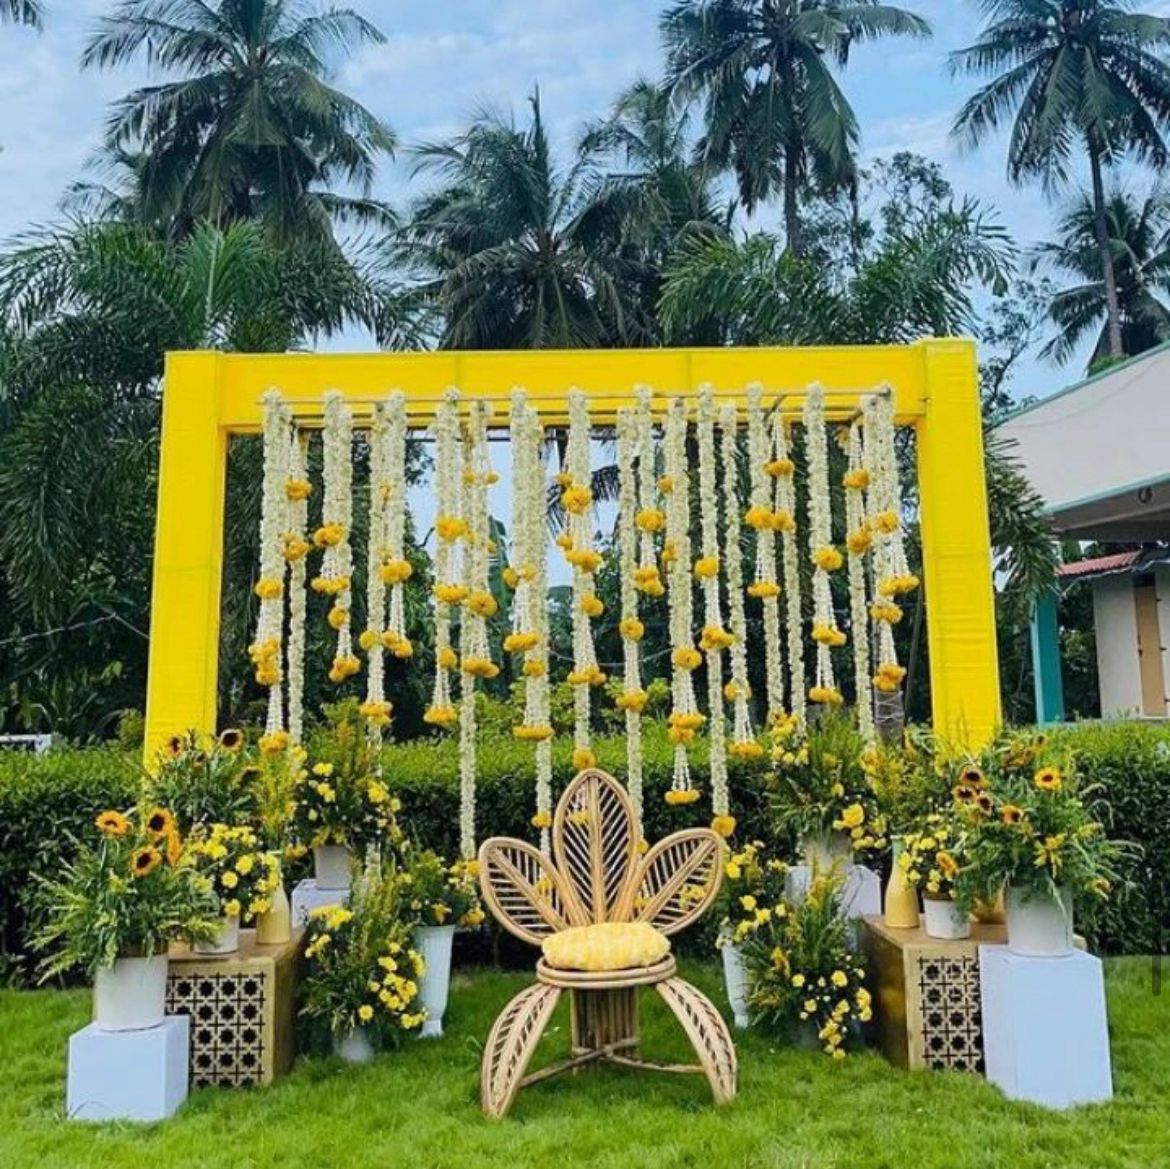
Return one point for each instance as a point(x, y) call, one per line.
point(605, 1019)
point(510, 1044)
point(708, 1034)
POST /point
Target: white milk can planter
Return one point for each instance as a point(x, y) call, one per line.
point(433, 942)
point(354, 1046)
point(331, 866)
point(131, 995)
point(227, 941)
point(1040, 925)
point(942, 918)
point(735, 977)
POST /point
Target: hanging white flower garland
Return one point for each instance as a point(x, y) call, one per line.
point(825, 556)
point(297, 489)
point(265, 650)
point(684, 719)
point(892, 576)
point(783, 471)
point(858, 541)
point(333, 536)
point(766, 521)
point(577, 543)
point(715, 639)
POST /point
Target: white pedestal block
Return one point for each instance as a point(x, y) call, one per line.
point(307, 897)
point(128, 1075)
point(860, 897)
point(1045, 1035)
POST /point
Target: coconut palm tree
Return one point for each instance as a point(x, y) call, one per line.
point(30, 12)
point(1139, 243)
point(510, 251)
point(774, 111)
point(248, 128)
point(1071, 75)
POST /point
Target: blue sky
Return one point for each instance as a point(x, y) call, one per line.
point(445, 57)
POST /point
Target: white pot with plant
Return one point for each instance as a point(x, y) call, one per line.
point(131, 890)
point(933, 860)
point(361, 983)
point(438, 897)
point(753, 888)
point(242, 875)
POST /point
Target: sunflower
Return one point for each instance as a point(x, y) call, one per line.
point(159, 823)
point(963, 794)
point(985, 803)
point(972, 776)
point(173, 746)
point(1048, 779)
point(144, 861)
point(231, 739)
point(112, 824)
point(1010, 814)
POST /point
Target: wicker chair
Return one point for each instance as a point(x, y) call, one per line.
point(597, 875)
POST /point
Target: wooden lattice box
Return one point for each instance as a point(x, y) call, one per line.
point(242, 1009)
point(927, 1003)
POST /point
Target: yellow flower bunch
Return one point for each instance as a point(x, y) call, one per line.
point(297, 489)
point(532, 734)
point(396, 571)
point(521, 642)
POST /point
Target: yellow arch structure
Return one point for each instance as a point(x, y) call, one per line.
point(210, 396)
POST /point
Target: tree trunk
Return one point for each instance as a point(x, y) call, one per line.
point(791, 204)
point(1112, 304)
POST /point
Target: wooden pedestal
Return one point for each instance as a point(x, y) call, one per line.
point(926, 995)
point(242, 1008)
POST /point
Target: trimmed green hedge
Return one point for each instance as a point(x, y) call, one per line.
point(44, 799)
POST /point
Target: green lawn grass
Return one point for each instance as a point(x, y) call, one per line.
point(419, 1106)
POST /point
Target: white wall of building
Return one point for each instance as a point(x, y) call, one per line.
point(1118, 664)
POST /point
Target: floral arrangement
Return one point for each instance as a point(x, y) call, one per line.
point(751, 895)
point(132, 889)
point(204, 779)
point(241, 874)
point(910, 779)
point(820, 781)
point(805, 977)
point(934, 859)
point(361, 969)
point(339, 796)
point(437, 893)
point(1031, 822)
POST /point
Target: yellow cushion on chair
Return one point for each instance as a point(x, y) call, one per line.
point(611, 945)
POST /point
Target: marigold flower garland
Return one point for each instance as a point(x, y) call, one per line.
point(685, 718)
point(825, 556)
point(265, 650)
point(784, 474)
point(715, 638)
point(858, 541)
point(333, 536)
point(479, 605)
point(450, 527)
point(892, 575)
point(762, 517)
point(528, 576)
point(744, 744)
point(297, 490)
point(649, 519)
point(577, 543)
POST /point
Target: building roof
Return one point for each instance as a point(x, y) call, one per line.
point(1099, 565)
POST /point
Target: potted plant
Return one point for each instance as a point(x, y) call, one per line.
point(752, 889)
point(242, 875)
point(821, 792)
point(203, 779)
point(1036, 832)
point(438, 897)
point(361, 981)
point(131, 890)
point(933, 860)
point(341, 803)
point(807, 984)
point(274, 780)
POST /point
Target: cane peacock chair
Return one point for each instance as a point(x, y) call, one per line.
point(601, 912)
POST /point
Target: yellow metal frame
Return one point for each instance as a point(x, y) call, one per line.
point(210, 396)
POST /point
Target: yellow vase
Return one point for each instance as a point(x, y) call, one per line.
point(901, 897)
point(274, 928)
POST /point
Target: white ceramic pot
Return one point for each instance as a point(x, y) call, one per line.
point(227, 941)
point(131, 995)
point(354, 1046)
point(433, 942)
point(331, 866)
point(825, 850)
point(1039, 926)
point(735, 977)
point(942, 918)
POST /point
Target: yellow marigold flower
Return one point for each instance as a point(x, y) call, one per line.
point(395, 572)
point(482, 603)
point(534, 668)
point(852, 817)
point(274, 742)
point(368, 640)
point(588, 676)
point(1048, 779)
point(827, 558)
point(293, 547)
point(563, 479)
point(828, 635)
point(338, 617)
point(268, 588)
point(448, 659)
point(532, 734)
point(112, 824)
point(296, 490)
point(723, 826)
point(758, 517)
point(450, 527)
point(478, 667)
point(745, 749)
point(376, 712)
point(666, 484)
point(677, 796)
point(330, 586)
point(886, 611)
point(647, 580)
point(687, 658)
point(683, 735)
point(542, 820)
point(343, 667)
point(631, 629)
point(859, 541)
point(706, 568)
point(143, 861)
point(828, 695)
point(564, 541)
point(889, 677)
point(947, 864)
point(451, 594)
point(510, 577)
point(886, 522)
point(521, 642)
point(585, 559)
point(592, 605)
point(896, 586)
point(763, 589)
point(693, 719)
point(650, 519)
point(783, 521)
point(329, 535)
point(577, 498)
point(365, 1012)
point(583, 757)
point(714, 637)
point(440, 716)
point(734, 690)
point(856, 480)
point(634, 700)
point(779, 468)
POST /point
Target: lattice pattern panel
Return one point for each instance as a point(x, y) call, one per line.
point(951, 1012)
point(227, 1024)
